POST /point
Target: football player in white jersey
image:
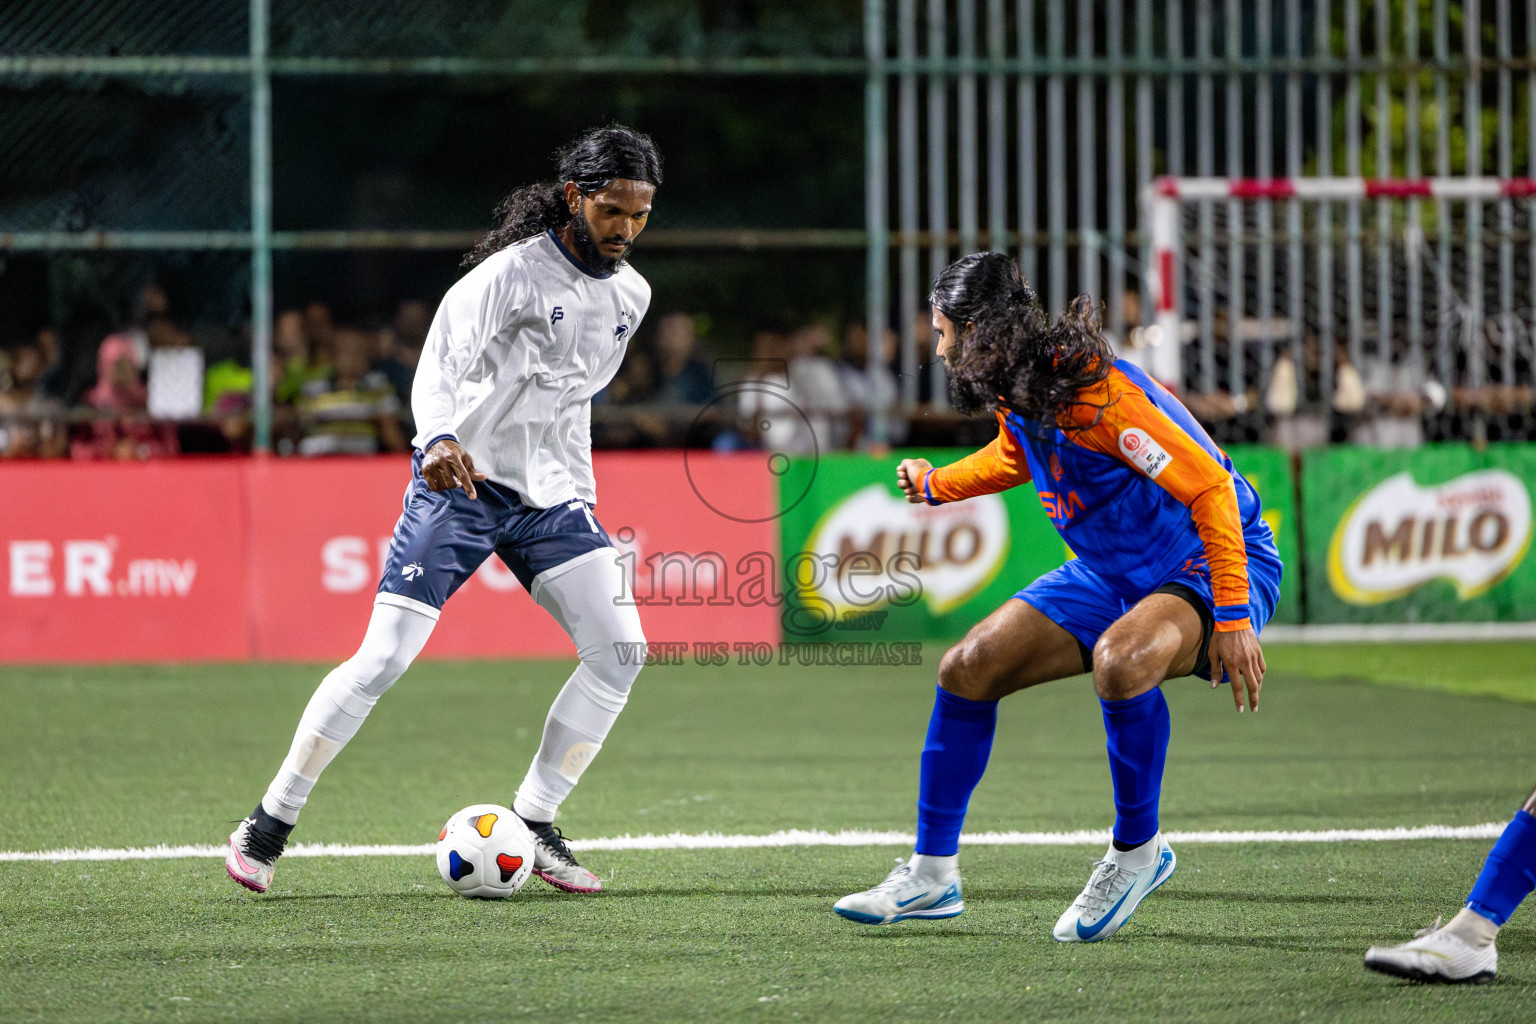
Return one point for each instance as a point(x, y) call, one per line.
point(502, 401)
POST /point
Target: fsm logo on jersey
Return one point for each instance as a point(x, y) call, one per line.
point(1472, 531)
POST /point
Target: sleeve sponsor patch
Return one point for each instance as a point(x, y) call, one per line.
point(1142, 452)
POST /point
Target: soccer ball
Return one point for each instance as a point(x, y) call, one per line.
point(485, 851)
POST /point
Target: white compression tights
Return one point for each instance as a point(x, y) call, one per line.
point(395, 636)
point(580, 595)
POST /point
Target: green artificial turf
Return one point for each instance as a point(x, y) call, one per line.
point(1504, 669)
point(130, 757)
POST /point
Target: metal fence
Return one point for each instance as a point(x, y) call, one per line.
point(1029, 126)
point(1034, 126)
point(145, 126)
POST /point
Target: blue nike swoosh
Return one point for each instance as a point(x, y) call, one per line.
point(1088, 933)
point(914, 899)
point(1091, 932)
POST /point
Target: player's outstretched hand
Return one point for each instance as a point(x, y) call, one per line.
point(1239, 654)
point(447, 465)
point(908, 474)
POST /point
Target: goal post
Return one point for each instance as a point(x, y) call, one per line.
point(1430, 278)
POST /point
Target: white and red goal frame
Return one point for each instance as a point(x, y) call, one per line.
point(1164, 197)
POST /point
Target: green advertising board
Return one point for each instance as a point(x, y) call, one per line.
point(962, 560)
point(1269, 470)
point(1434, 534)
point(970, 556)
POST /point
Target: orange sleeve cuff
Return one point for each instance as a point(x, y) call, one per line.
point(1235, 626)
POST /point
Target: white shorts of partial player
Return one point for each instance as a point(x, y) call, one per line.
point(1164, 197)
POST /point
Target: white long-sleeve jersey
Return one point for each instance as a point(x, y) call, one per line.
point(516, 351)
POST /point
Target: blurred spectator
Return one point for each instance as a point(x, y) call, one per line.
point(320, 332)
point(1394, 404)
point(297, 361)
point(354, 410)
point(119, 386)
point(682, 378)
point(1282, 395)
point(52, 380)
point(32, 422)
point(400, 346)
point(175, 371)
point(813, 416)
point(871, 391)
point(765, 417)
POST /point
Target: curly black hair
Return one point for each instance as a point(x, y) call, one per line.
point(592, 161)
point(1008, 353)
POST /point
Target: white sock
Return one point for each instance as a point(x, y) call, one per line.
point(574, 731)
point(581, 595)
point(1473, 928)
point(1138, 858)
point(938, 869)
point(334, 714)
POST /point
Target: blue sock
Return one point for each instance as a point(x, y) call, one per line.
point(1137, 731)
point(1509, 873)
point(954, 757)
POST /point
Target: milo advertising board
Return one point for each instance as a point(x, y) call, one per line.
point(1437, 534)
point(862, 560)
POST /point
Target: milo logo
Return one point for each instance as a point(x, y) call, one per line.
point(1473, 531)
point(885, 549)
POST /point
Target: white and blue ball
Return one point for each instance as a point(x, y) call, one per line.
point(485, 851)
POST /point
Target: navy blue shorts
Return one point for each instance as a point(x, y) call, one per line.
point(1085, 604)
point(443, 537)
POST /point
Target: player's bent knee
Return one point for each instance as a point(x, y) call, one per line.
point(1122, 670)
point(961, 673)
point(616, 661)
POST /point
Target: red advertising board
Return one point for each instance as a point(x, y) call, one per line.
point(117, 562)
point(279, 559)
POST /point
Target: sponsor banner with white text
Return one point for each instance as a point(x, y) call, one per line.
point(123, 562)
point(280, 559)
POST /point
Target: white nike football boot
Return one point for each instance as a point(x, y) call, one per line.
point(1435, 955)
point(1112, 895)
point(554, 862)
point(903, 896)
point(252, 856)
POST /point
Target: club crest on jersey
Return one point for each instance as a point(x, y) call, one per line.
point(1142, 452)
point(618, 332)
point(557, 314)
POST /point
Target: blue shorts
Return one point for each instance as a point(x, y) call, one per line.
point(1083, 603)
point(443, 537)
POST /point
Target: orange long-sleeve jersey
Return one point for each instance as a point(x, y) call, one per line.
point(1136, 491)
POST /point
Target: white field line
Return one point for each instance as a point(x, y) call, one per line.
point(798, 837)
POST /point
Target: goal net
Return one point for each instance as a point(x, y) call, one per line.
point(1328, 296)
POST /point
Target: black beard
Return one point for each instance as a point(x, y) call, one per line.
point(587, 251)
